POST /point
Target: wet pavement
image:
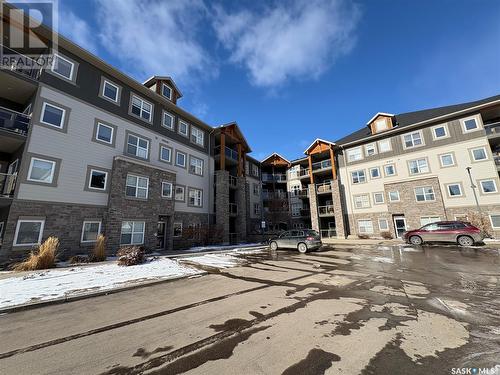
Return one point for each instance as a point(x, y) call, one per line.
point(343, 310)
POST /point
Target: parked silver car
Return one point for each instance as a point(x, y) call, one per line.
point(300, 239)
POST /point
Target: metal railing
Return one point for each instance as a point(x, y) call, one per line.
point(233, 182)
point(7, 184)
point(274, 195)
point(328, 233)
point(233, 209)
point(322, 165)
point(20, 63)
point(492, 129)
point(325, 187)
point(325, 210)
point(14, 121)
point(268, 177)
point(304, 173)
point(497, 160)
point(229, 152)
point(304, 193)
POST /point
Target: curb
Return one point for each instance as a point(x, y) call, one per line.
point(61, 300)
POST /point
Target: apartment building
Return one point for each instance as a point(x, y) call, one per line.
point(86, 149)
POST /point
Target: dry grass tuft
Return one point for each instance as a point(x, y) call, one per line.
point(42, 258)
point(99, 250)
point(130, 255)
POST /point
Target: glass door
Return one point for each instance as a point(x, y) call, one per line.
point(160, 235)
point(399, 225)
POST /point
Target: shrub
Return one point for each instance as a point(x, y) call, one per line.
point(386, 235)
point(42, 258)
point(79, 259)
point(98, 253)
point(363, 236)
point(130, 255)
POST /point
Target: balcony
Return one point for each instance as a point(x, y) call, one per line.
point(268, 177)
point(269, 195)
point(7, 184)
point(14, 122)
point(233, 182)
point(497, 161)
point(492, 130)
point(328, 233)
point(325, 187)
point(229, 153)
point(304, 193)
point(21, 64)
point(326, 210)
point(322, 165)
point(233, 209)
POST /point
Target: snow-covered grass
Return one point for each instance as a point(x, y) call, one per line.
point(199, 249)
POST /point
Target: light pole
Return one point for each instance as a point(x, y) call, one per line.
point(475, 195)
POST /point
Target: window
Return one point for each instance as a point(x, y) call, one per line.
point(179, 193)
point(380, 125)
point(256, 189)
point(62, 67)
point(256, 209)
point(412, 140)
point(90, 231)
point(52, 115)
point(197, 136)
point(362, 201)
point(180, 159)
point(110, 91)
point(454, 190)
point(424, 220)
point(440, 131)
point(374, 172)
point(296, 209)
point(132, 233)
point(165, 154)
point(495, 221)
point(41, 170)
point(177, 229)
point(447, 160)
point(28, 232)
point(254, 170)
point(358, 177)
point(166, 91)
point(394, 196)
point(166, 190)
point(142, 108)
point(168, 120)
point(479, 154)
point(183, 128)
point(97, 179)
point(137, 146)
point(136, 186)
point(354, 154)
point(365, 226)
point(370, 149)
point(195, 166)
point(384, 145)
point(378, 198)
point(425, 193)
point(469, 124)
point(383, 224)
point(418, 166)
point(488, 186)
point(104, 133)
point(389, 170)
point(195, 197)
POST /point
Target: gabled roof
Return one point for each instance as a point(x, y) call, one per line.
point(403, 120)
point(275, 154)
point(316, 141)
point(379, 114)
point(150, 81)
point(234, 126)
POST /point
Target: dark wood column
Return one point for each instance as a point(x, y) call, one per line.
point(311, 177)
point(332, 158)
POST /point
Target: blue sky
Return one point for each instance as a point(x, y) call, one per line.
point(289, 72)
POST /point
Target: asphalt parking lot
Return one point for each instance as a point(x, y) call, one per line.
point(363, 310)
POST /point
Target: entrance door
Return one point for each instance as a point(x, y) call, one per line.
point(399, 225)
point(161, 235)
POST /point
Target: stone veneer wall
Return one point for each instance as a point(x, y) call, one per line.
point(338, 209)
point(241, 202)
point(189, 218)
point(123, 208)
point(222, 203)
point(313, 207)
point(471, 211)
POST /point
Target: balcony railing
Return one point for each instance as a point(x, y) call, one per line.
point(20, 63)
point(233, 209)
point(268, 177)
point(492, 129)
point(14, 121)
point(233, 182)
point(324, 187)
point(497, 160)
point(7, 184)
point(274, 195)
point(325, 210)
point(229, 152)
point(322, 165)
point(328, 233)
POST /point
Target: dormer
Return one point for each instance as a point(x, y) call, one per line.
point(381, 122)
point(164, 86)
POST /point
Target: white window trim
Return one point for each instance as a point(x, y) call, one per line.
point(133, 232)
point(179, 128)
point(137, 146)
point(478, 123)
point(169, 160)
point(177, 224)
point(446, 132)
point(195, 166)
point(393, 167)
point(195, 129)
point(171, 189)
point(419, 171)
point(409, 133)
point(142, 109)
point(357, 171)
point(177, 152)
point(359, 196)
point(105, 180)
point(424, 194)
point(171, 91)
point(388, 140)
point(351, 150)
point(53, 65)
point(370, 173)
point(359, 227)
point(488, 179)
point(201, 197)
point(106, 82)
point(459, 187)
point(137, 186)
point(40, 235)
point(53, 169)
point(386, 222)
point(165, 113)
point(99, 124)
point(479, 148)
point(381, 194)
point(441, 160)
point(183, 194)
point(61, 125)
point(489, 215)
point(83, 228)
point(374, 145)
point(393, 200)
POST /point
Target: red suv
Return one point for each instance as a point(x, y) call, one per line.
point(465, 234)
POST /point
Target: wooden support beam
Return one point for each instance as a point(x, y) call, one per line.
point(311, 177)
point(332, 158)
point(222, 151)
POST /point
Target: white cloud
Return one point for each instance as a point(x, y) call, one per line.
point(77, 30)
point(155, 37)
point(293, 40)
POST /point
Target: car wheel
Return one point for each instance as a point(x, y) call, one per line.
point(416, 240)
point(274, 246)
point(465, 241)
point(302, 247)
